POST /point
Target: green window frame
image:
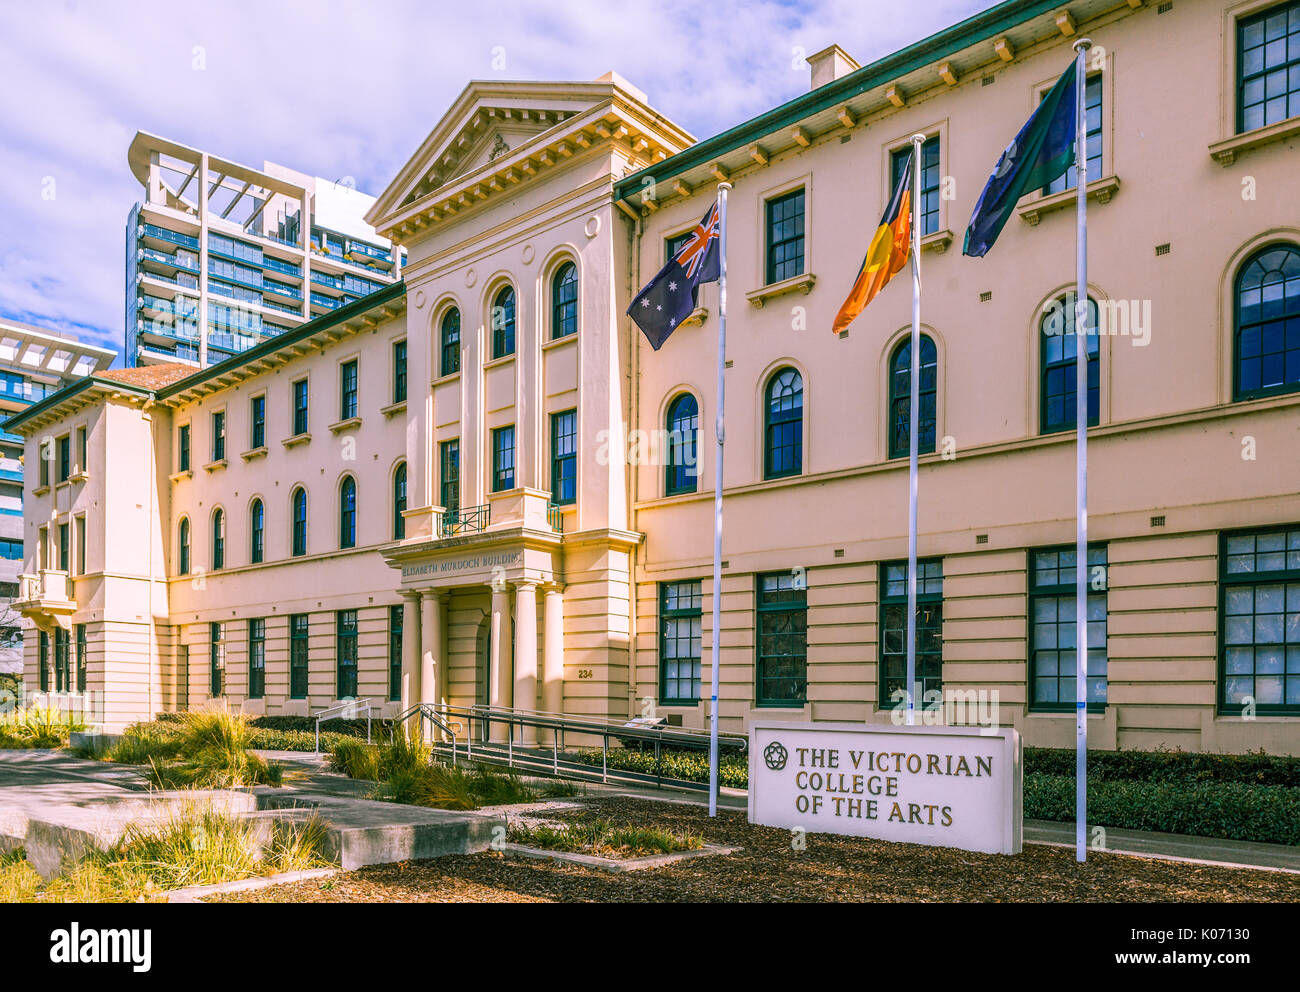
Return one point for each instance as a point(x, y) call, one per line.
point(783, 424)
point(1057, 352)
point(218, 539)
point(256, 658)
point(450, 342)
point(298, 504)
point(1259, 625)
point(61, 670)
point(348, 389)
point(449, 474)
point(928, 202)
point(82, 656)
point(65, 457)
point(785, 236)
point(900, 398)
point(781, 639)
point(257, 532)
point(399, 371)
point(299, 655)
point(216, 660)
point(183, 447)
point(503, 458)
point(301, 395)
point(1266, 323)
point(257, 419)
point(675, 244)
point(1268, 67)
point(564, 301)
point(83, 453)
point(348, 512)
point(680, 626)
point(395, 621)
point(891, 679)
point(399, 502)
point(1092, 111)
point(219, 435)
point(503, 322)
point(682, 471)
point(43, 661)
point(183, 546)
point(346, 653)
point(564, 457)
point(65, 548)
point(1052, 629)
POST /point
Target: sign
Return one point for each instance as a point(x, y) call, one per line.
point(453, 566)
point(942, 786)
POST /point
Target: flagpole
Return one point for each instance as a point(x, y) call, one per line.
point(913, 426)
point(1081, 482)
point(720, 432)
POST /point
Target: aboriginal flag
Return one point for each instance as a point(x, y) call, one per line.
point(888, 251)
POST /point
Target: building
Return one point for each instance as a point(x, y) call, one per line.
point(262, 252)
point(479, 484)
point(33, 365)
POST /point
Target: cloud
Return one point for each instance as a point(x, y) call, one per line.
point(341, 89)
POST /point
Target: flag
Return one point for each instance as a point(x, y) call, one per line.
point(887, 253)
point(668, 298)
point(1041, 152)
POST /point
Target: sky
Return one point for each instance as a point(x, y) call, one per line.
point(342, 88)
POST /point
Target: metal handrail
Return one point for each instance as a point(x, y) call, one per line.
point(343, 707)
point(427, 712)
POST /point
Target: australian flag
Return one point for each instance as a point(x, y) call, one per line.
point(669, 297)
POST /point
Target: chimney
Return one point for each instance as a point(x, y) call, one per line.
point(829, 65)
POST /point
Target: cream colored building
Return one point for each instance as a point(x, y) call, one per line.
point(560, 559)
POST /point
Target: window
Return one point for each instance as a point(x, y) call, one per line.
point(46, 455)
point(299, 505)
point(675, 244)
point(450, 342)
point(83, 657)
point(783, 446)
point(399, 371)
point(65, 548)
point(183, 546)
point(61, 671)
point(219, 435)
point(900, 397)
point(43, 661)
point(503, 323)
point(216, 660)
point(257, 532)
point(399, 502)
point(256, 659)
point(79, 538)
point(785, 236)
point(683, 435)
point(449, 463)
point(348, 513)
point(564, 301)
point(348, 390)
point(257, 422)
point(892, 677)
point(83, 456)
point(183, 448)
point(928, 201)
point(1268, 67)
point(1092, 111)
point(300, 407)
point(781, 674)
point(395, 652)
point(11, 549)
point(1058, 351)
point(1260, 620)
point(218, 540)
point(298, 630)
point(679, 642)
point(564, 456)
point(1052, 642)
point(346, 648)
point(503, 459)
point(65, 457)
point(1267, 338)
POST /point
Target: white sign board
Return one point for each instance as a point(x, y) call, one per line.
point(943, 786)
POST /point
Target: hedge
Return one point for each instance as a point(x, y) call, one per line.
point(298, 733)
point(1251, 768)
point(690, 766)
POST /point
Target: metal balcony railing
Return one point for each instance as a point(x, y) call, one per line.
point(555, 517)
point(469, 520)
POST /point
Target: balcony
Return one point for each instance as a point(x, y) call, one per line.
point(555, 517)
point(45, 596)
point(469, 520)
point(170, 237)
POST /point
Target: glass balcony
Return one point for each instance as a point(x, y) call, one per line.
point(280, 265)
point(171, 237)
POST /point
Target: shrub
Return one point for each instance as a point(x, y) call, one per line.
point(354, 759)
point(597, 836)
point(1251, 768)
point(38, 727)
point(686, 765)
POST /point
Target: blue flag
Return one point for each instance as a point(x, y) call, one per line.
point(1041, 152)
point(669, 297)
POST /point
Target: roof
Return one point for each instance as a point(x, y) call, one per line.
point(151, 377)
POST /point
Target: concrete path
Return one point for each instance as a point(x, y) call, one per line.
point(1174, 847)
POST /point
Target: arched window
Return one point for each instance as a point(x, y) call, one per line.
point(183, 547)
point(218, 539)
point(783, 415)
point(683, 434)
point(1267, 335)
point(450, 342)
point(399, 502)
point(299, 505)
point(503, 323)
point(900, 397)
point(564, 301)
point(348, 513)
point(256, 532)
point(1058, 354)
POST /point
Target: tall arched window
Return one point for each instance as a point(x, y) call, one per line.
point(183, 547)
point(783, 416)
point(298, 503)
point(683, 434)
point(399, 502)
point(256, 532)
point(503, 322)
point(900, 397)
point(564, 301)
point(1267, 335)
point(348, 513)
point(449, 334)
point(1058, 353)
point(218, 539)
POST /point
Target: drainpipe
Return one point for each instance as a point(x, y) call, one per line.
point(150, 480)
point(635, 231)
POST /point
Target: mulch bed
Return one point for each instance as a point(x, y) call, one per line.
point(830, 869)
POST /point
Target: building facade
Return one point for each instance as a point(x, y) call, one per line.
point(480, 484)
point(220, 256)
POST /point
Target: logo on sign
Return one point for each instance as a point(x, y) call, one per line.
point(775, 755)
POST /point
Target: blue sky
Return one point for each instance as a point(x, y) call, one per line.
point(341, 88)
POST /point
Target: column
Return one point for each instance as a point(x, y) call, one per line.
point(432, 662)
point(553, 650)
point(500, 661)
point(410, 652)
point(526, 653)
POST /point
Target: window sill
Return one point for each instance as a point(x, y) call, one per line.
point(253, 454)
point(216, 463)
point(442, 380)
point(800, 283)
point(185, 473)
point(41, 490)
point(937, 242)
point(345, 425)
point(1225, 152)
point(393, 409)
point(503, 360)
point(559, 342)
point(297, 439)
point(1094, 709)
point(697, 318)
point(1100, 190)
point(78, 477)
point(783, 705)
